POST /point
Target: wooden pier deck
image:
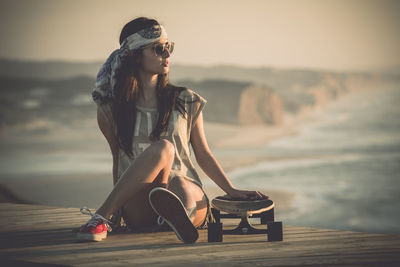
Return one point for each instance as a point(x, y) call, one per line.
point(33, 235)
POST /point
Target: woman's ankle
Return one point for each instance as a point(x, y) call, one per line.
point(103, 214)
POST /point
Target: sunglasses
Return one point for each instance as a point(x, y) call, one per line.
point(160, 49)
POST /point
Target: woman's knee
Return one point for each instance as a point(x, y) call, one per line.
point(163, 149)
point(166, 148)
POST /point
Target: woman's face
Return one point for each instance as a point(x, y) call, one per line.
point(155, 64)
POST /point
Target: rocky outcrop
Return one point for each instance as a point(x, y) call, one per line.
point(238, 102)
point(328, 89)
point(291, 93)
point(260, 105)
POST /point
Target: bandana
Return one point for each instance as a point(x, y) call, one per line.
point(106, 77)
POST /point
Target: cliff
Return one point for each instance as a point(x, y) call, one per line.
point(287, 95)
point(258, 105)
point(238, 102)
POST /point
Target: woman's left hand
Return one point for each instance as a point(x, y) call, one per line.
point(246, 194)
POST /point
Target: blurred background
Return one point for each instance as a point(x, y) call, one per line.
point(303, 101)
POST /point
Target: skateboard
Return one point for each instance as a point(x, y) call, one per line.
point(227, 207)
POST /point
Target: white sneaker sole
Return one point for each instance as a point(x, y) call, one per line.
point(168, 205)
point(91, 237)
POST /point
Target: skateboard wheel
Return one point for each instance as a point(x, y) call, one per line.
point(275, 231)
point(267, 216)
point(215, 232)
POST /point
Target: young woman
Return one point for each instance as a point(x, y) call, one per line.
point(149, 124)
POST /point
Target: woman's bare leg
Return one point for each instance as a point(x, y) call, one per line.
point(153, 163)
point(138, 212)
point(192, 197)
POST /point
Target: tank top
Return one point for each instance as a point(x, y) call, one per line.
point(178, 133)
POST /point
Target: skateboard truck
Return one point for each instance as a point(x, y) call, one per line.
point(244, 210)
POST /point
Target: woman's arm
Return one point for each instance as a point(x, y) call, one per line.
point(108, 131)
point(210, 165)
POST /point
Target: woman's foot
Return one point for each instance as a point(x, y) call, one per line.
point(95, 229)
point(168, 205)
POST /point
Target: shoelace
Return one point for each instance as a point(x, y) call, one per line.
point(160, 220)
point(96, 218)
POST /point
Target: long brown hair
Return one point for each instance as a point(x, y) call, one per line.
point(126, 91)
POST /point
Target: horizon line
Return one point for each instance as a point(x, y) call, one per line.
point(216, 64)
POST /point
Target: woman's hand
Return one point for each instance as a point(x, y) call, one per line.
point(247, 195)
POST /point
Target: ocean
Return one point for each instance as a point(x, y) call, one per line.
point(343, 167)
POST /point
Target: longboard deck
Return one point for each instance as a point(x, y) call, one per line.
point(241, 207)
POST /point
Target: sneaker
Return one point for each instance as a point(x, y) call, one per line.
point(168, 205)
point(95, 229)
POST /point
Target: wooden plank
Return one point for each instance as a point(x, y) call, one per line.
point(41, 217)
point(132, 239)
point(214, 260)
point(148, 257)
point(47, 212)
point(50, 239)
point(196, 253)
point(23, 213)
point(13, 206)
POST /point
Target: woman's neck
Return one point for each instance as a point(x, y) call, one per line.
point(147, 95)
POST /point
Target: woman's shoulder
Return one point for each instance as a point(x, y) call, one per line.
point(105, 105)
point(191, 95)
point(105, 109)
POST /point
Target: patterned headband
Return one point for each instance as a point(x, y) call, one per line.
point(144, 37)
point(106, 77)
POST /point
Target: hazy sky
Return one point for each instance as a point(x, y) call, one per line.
point(329, 34)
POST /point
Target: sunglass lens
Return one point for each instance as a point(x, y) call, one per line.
point(171, 47)
point(159, 48)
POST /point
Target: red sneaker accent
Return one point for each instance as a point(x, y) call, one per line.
point(95, 229)
point(91, 233)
